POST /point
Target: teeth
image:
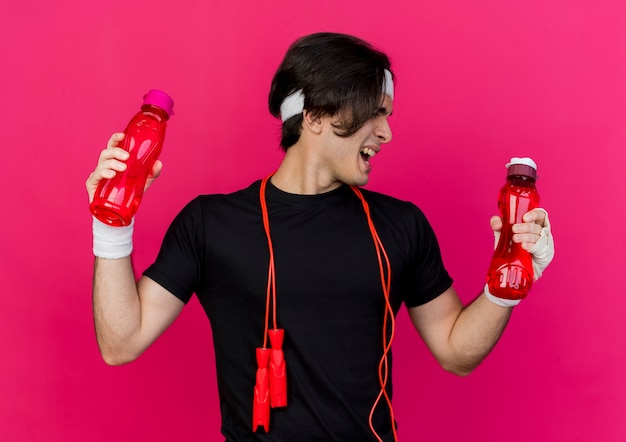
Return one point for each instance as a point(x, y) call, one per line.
point(368, 151)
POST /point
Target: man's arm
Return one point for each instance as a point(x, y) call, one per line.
point(128, 316)
point(461, 337)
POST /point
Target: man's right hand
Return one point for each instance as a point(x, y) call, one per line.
point(111, 161)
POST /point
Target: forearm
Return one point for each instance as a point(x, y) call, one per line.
point(116, 309)
point(474, 334)
point(460, 337)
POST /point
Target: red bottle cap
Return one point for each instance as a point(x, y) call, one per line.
point(159, 98)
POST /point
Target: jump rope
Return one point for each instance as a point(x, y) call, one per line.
point(270, 390)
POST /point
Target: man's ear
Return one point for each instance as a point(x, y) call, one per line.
point(314, 124)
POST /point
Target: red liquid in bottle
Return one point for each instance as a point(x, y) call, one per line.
point(511, 272)
point(116, 200)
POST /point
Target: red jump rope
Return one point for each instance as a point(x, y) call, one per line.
point(270, 390)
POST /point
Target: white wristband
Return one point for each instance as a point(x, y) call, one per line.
point(500, 301)
point(543, 250)
point(112, 242)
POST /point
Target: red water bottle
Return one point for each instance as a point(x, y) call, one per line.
point(511, 273)
point(116, 200)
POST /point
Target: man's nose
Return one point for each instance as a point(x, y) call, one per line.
point(383, 130)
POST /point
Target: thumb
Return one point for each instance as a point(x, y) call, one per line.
point(156, 169)
point(496, 225)
point(154, 174)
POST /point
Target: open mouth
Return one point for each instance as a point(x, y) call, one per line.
point(367, 153)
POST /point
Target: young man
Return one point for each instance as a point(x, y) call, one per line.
point(307, 252)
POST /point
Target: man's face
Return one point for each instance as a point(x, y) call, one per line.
point(348, 159)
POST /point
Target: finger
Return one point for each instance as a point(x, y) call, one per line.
point(106, 170)
point(112, 158)
point(115, 139)
point(156, 169)
point(112, 168)
point(116, 163)
point(537, 216)
point(527, 228)
point(110, 162)
point(496, 223)
point(154, 174)
point(113, 152)
point(526, 239)
point(113, 149)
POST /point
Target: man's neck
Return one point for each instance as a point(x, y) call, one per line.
point(301, 173)
point(297, 176)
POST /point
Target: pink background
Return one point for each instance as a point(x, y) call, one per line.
point(478, 82)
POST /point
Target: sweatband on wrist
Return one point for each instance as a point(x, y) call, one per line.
point(500, 301)
point(112, 242)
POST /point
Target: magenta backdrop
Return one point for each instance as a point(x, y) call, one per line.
point(478, 82)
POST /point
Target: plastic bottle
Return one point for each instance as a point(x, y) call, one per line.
point(116, 200)
point(511, 273)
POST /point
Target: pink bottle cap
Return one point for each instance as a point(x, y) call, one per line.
point(159, 98)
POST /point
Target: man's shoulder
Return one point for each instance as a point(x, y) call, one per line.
point(244, 194)
point(376, 197)
point(398, 212)
point(206, 205)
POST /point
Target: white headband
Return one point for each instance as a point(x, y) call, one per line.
point(293, 104)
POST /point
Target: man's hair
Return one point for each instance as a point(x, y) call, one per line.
point(338, 74)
